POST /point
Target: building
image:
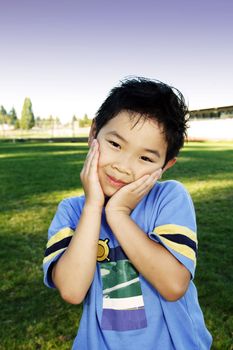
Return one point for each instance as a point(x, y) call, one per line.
point(218, 112)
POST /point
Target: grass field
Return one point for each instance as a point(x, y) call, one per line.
point(34, 177)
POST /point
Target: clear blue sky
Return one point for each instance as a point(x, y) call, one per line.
point(67, 55)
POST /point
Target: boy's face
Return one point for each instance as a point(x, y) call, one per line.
point(127, 153)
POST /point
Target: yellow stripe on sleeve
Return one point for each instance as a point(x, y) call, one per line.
point(52, 255)
point(176, 229)
point(63, 233)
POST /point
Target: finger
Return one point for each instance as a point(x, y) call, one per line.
point(145, 187)
point(157, 174)
point(92, 166)
point(134, 186)
point(95, 159)
point(148, 185)
point(89, 166)
point(146, 181)
point(149, 182)
point(89, 157)
point(152, 177)
point(90, 148)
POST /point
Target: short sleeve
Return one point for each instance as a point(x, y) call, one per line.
point(60, 234)
point(175, 224)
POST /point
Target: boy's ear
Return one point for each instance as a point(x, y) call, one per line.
point(169, 164)
point(92, 133)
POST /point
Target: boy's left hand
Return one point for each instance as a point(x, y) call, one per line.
point(126, 198)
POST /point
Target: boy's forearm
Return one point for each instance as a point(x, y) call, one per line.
point(74, 271)
point(157, 265)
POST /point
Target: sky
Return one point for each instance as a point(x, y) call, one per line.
point(66, 55)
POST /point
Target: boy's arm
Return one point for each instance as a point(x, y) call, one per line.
point(151, 259)
point(156, 264)
point(74, 271)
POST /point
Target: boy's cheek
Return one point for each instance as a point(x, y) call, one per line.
point(100, 145)
point(147, 171)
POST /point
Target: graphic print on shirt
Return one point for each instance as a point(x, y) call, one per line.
point(123, 305)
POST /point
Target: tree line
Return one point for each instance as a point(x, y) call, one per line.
point(28, 120)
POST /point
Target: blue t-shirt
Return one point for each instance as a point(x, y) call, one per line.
point(122, 310)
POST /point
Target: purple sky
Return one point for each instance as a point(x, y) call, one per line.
point(66, 55)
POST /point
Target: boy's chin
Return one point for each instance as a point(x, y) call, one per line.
point(109, 193)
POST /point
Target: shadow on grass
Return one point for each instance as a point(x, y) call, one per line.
point(29, 310)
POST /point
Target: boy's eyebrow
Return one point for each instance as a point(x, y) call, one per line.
point(114, 133)
point(156, 153)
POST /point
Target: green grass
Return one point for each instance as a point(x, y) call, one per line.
point(34, 177)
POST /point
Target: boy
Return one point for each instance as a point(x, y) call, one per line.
point(127, 249)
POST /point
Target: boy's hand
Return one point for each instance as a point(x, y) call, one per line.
point(90, 179)
point(126, 198)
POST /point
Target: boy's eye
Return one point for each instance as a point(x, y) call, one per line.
point(146, 159)
point(114, 144)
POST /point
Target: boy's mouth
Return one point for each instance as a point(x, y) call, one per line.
point(115, 182)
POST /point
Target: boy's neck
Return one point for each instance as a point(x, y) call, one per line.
point(106, 200)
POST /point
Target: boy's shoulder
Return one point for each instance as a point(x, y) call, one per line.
point(74, 203)
point(166, 193)
point(74, 200)
point(168, 186)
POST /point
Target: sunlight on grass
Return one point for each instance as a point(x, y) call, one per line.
point(207, 187)
point(48, 154)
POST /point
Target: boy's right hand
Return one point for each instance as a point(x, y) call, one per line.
point(90, 179)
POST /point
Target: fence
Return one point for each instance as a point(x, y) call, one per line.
point(68, 131)
point(201, 129)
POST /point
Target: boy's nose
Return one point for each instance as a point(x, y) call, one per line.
point(122, 168)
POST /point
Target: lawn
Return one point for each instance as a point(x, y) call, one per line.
point(34, 177)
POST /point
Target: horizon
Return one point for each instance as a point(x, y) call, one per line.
point(70, 120)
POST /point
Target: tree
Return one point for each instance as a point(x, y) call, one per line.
point(38, 122)
point(57, 120)
point(3, 115)
point(74, 118)
point(12, 117)
point(85, 122)
point(17, 124)
point(27, 116)
point(2, 110)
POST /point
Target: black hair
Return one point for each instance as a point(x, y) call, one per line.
point(150, 99)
